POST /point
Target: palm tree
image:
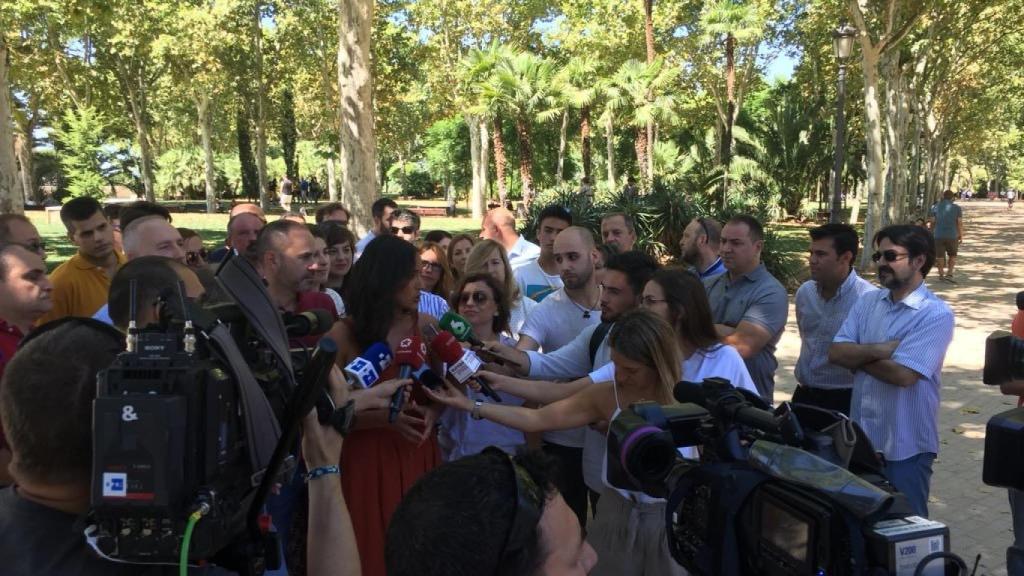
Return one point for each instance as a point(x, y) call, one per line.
point(637, 92)
point(732, 22)
point(522, 85)
point(578, 88)
point(477, 69)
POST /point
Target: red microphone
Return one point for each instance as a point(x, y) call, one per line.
point(410, 357)
point(462, 363)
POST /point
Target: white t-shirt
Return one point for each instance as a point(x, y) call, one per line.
point(521, 310)
point(534, 282)
point(522, 252)
point(554, 323)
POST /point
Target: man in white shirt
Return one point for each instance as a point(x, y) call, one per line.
point(381, 211)
point(539, 277)
point(500, 225)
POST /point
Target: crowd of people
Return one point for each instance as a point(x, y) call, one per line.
point(573, 329)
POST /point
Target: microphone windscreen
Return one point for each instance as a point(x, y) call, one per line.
point(690, 392)
point(408, 353)
point(446, 347)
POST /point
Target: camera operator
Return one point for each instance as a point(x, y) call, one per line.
point(628, 530)
point(895, 340)
point(24, 297)
point(512, 521)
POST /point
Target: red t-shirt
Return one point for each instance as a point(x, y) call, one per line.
point(10, 336)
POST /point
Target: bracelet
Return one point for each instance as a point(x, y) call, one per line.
point(321, 471)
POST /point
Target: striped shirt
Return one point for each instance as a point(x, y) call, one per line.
point(819, 320)
point(901, 422)
point(432, 304)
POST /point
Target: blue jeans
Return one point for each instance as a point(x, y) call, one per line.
point(913, 478)
point(1015, 553)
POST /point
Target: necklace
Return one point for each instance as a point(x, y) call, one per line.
point(586, 311)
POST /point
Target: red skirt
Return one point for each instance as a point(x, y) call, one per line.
point(378, 468)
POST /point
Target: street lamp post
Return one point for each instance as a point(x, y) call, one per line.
point(842, 43)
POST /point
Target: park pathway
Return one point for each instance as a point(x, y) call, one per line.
point(990, 272)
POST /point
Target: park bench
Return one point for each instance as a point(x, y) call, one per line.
point(425, 211)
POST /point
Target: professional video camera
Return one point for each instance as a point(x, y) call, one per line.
point(791, 492)
point(1004, 433)
point(193, 425)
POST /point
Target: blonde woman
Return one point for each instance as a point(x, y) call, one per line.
point(490, 257)
point(628, 530)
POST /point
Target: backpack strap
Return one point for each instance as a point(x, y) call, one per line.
point(596, 338)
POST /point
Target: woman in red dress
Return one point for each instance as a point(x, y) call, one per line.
point(381, 461)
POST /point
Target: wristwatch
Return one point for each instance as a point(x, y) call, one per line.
point(475, 413)
point(344, 418)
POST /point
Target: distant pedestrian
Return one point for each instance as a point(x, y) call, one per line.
point(946, 222)
point(1011, 195)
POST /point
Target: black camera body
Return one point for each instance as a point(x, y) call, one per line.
point(167, 436)
point(1004, 434)
point(790, 492)
point(192, 427)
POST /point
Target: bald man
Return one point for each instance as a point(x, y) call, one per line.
point(500, 225)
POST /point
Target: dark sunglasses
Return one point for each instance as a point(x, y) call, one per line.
point(434, 266)
point(889, 256)
point(193, 257)
point(403, 230)
point(478, 297)
point(529, 500)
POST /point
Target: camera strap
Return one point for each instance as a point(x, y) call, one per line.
point(261, 427)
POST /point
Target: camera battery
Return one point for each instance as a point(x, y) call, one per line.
point(902, 543)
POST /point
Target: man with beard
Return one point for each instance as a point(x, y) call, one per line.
point(895, 340)
point(699, 247)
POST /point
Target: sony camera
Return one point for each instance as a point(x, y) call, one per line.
point(1004, 434)
point(193, 425)
point(751, 491)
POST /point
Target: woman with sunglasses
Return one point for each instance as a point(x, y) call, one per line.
point(458, 253)
point(195, 252)
point(628, 531)
point(340, 249)
point(481, 300)
point(435, 276)
point(490, 257)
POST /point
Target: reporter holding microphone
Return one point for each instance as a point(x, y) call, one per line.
point(629, 529)
point(482, 301)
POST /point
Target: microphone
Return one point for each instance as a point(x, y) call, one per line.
point(367, 368)
point(720, 398)
point(462, 363)
point(427, 377)
point(459, 327)
point(309, 323)
point(409, 359)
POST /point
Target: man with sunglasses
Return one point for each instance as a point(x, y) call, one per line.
point(512, 522)
point(895, 341)
point(405, 224)
point(699, 247)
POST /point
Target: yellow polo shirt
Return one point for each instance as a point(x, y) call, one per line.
point(79, 288)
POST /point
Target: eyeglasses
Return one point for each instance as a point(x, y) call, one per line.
point(403, 230)
point(889, 256)
point(195, 257)
point(37, 247)
point(477, 297)
point(529, 499)
point(431, 266)
point(648, 301)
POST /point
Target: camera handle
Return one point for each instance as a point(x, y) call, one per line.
point(303, 399)
point(960, 564)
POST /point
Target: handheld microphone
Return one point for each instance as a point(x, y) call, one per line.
point(365, 370)
point(427, 377)
point(459, 327)
point(462, 364)
point(309, 323)
point(409, 360)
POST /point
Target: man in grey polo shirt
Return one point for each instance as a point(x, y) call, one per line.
point(822, 304)
point(748, 304)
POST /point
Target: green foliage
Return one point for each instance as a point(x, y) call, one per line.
point(446, 150)
point(87, 153)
